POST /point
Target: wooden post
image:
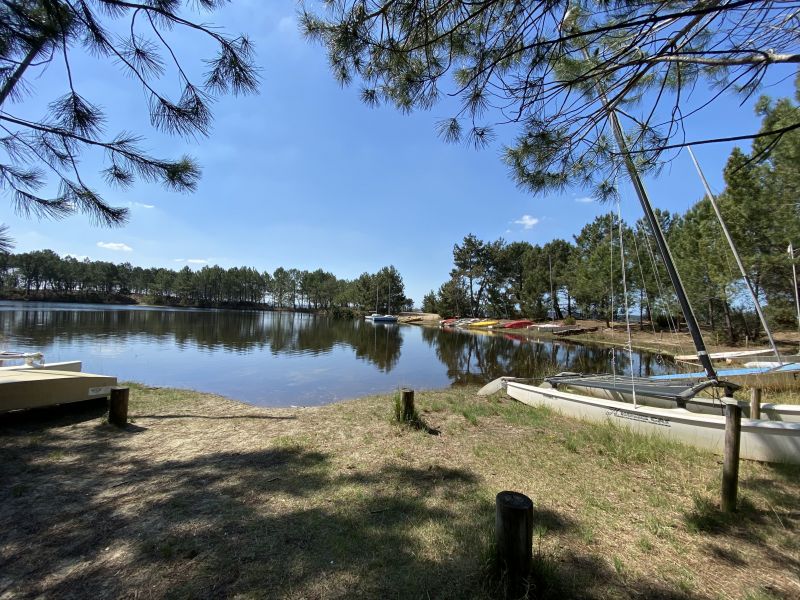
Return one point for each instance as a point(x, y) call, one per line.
point(730, 463)
point(514, 538)
point(755, 403)
point(407, 399)
point(118, 406)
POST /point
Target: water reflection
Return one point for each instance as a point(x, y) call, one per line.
point(288, 358)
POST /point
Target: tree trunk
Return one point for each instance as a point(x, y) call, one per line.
point(557, 309)
point(711, 314)
point(728, 322)
point(641, 310)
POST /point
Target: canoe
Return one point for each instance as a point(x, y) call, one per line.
point(763, 440)
point(732, 355)
point(521, 324)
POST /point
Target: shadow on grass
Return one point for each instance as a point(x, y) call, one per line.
point(58, 415)
point(217, 417)
point(87, 517)
point(747, 526)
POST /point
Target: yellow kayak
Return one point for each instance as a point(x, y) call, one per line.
point(484, 323)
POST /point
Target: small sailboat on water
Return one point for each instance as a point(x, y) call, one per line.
point(376, 317)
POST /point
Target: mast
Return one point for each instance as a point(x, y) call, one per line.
point(739, 263)
point(790, 250)
point(655, 227)
point(552, 296)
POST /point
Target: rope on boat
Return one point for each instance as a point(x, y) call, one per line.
point(611, 281)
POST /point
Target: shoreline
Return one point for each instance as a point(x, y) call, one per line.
point(203, 495)
point(662, 342)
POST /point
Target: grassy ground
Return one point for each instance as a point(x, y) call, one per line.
point(205, 497)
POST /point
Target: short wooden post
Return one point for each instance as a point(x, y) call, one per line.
point(514, 538)
point(755, 403)
point(118, 406)
point(407, 400)
point(730, 462)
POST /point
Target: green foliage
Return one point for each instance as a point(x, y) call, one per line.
point(759, 206)
point(45, 274)
point(553, 69)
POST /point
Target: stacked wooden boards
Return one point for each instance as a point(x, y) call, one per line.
point(22, 388)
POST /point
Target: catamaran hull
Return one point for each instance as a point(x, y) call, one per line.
point(768, 441)
point(785, 377)
point(789, 413)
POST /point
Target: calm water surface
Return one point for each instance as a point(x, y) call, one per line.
point(284, 359)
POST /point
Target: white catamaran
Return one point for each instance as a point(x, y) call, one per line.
point(670, 405)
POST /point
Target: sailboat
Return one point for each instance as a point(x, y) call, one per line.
point(666, 407)
point(379, 318)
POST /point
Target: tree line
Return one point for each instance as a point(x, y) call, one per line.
point(589, 276)
point(43, 274)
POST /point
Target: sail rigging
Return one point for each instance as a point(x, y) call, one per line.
point(736, 256)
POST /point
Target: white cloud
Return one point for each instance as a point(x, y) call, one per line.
point(179, 259)
point(142, 205)
point(115, 246)
point(197, 261)
point(80, 257)
point(527, 221)
point(584, 200)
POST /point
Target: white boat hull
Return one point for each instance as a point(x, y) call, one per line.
point(71, 365)
point(764, 440)
point(789, 413)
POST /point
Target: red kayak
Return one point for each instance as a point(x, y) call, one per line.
point(522, 324)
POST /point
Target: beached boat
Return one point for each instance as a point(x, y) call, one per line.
point(464, 322)
point(448, 322)
point(666, 393)
point(484, 323)
point(34, 360)
point(772, 376)
point(520, 324)
point(763, 439)
point(727, 356)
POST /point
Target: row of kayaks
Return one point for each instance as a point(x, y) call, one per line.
point(475, 323)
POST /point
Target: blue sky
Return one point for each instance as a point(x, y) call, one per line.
point(305, 175)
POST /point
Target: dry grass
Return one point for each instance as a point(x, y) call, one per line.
point(205, 497)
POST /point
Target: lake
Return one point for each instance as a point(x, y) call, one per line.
point(284, 358)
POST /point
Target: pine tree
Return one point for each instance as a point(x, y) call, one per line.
point(38, 153)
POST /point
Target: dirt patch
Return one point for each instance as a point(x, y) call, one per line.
point(205, 497)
